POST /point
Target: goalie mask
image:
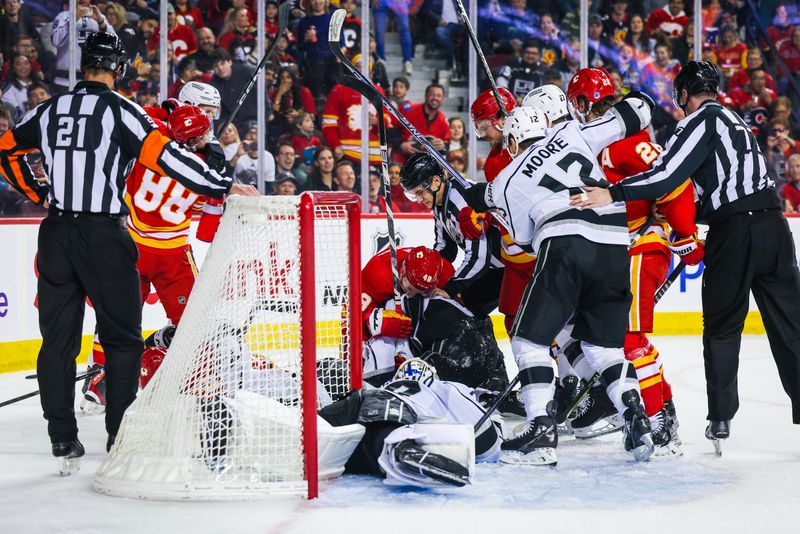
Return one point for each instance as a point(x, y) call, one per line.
point(550, 100)
point(523, 124)
point(416, 369)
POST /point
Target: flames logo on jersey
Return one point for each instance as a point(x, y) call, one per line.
point(354, 116)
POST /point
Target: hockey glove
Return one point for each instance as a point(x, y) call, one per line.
point(471, 223)
point(641, 96)
point(690, 249)
point(171, 104)
point(214, 156)
point(390, 324)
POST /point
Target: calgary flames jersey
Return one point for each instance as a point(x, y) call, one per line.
point(377, 283)
point(341, 124)
point(631, 156)
point(160, 209)
point(511, 254)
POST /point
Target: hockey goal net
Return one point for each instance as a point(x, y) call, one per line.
point(266, 338)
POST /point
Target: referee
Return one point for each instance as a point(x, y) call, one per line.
point(749, 245)
point(89, 138)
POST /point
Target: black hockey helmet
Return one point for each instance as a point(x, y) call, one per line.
point(103, 50)
point(418, 171)
point(468, 356)
point(695, 77)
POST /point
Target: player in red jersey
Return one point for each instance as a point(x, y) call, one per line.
point(590, 94)
point(488, 121)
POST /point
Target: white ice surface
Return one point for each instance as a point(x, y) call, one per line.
point(753, 488)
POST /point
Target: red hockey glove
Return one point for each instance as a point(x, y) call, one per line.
point(471, 223)
point(171, 104)
point(690, 249)
point(390, 324)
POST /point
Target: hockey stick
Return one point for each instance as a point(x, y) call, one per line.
point(663, 289)
point(334, 42)
point(283, 22)
point(34, 393)
point(479, 51)
point(366, 87)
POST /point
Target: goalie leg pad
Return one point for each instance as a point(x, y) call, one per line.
point(429, 455)
point(380, 406)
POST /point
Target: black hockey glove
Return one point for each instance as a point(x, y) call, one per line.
point(641, 96)
point(214, 156)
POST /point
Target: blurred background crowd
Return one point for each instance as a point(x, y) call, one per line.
point(418, 56)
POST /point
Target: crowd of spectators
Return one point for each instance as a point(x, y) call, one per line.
point(314, 120)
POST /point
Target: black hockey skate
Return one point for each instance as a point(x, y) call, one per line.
point(672, 421)
point(535, 446)
point(596, 416)
point(432, 465)
point(638, 438)
point(68, 454)
point(716, 431)
point(663, 439)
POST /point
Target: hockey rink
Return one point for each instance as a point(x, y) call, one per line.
point(596, 487)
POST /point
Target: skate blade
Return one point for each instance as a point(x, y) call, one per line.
point(717, 446)
point(643, 452)
point(589, 432)
point(68, 466)
point(564, 429)
point(544, 457)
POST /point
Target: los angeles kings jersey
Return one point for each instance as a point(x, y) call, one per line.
point(530, 197)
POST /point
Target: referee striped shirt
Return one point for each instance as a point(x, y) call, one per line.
point(89, 139)
point(479, 254)
point(717, 150)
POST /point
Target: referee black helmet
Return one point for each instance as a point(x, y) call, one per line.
point(418, 171)
point(103, 50)
point(695, 77)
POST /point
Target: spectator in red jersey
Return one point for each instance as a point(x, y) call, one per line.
point(669, 20)
point(730, 52)
point(780, 147)
point(790, 193)
point(755, 93)
point(429, 120)
point(780, 29)
point(179, 35)
point(271, 19)
point(399, 96)
point(188, 14)
point(289, 98)
point(789, 52)
point(239, 36)
point(351, 29)
point(754, 60)
point(24, 46)
point(281, 52)
point(306, 140)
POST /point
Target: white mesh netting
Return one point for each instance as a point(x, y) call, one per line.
point(222, 416)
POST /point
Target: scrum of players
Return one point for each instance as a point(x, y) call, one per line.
point(577, 305)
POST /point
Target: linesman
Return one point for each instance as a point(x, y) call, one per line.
point(89, 138)
point(748, 247)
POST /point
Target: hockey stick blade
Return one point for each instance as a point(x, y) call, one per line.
point(78, 378)
point(373, 95)
point(283, 22)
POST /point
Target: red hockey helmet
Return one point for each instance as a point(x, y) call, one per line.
point(592, 84)
point(188, 125)
point(422, 268)
point(485, 107)
point(151, 361)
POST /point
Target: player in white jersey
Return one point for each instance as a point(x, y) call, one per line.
point(581, 272)
point(419, 429)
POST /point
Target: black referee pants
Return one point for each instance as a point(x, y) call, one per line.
point(749, 251)
point(82, 256)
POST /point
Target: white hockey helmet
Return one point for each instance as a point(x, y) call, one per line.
point(522, 124)
point(201, 94)
point(549, 99)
